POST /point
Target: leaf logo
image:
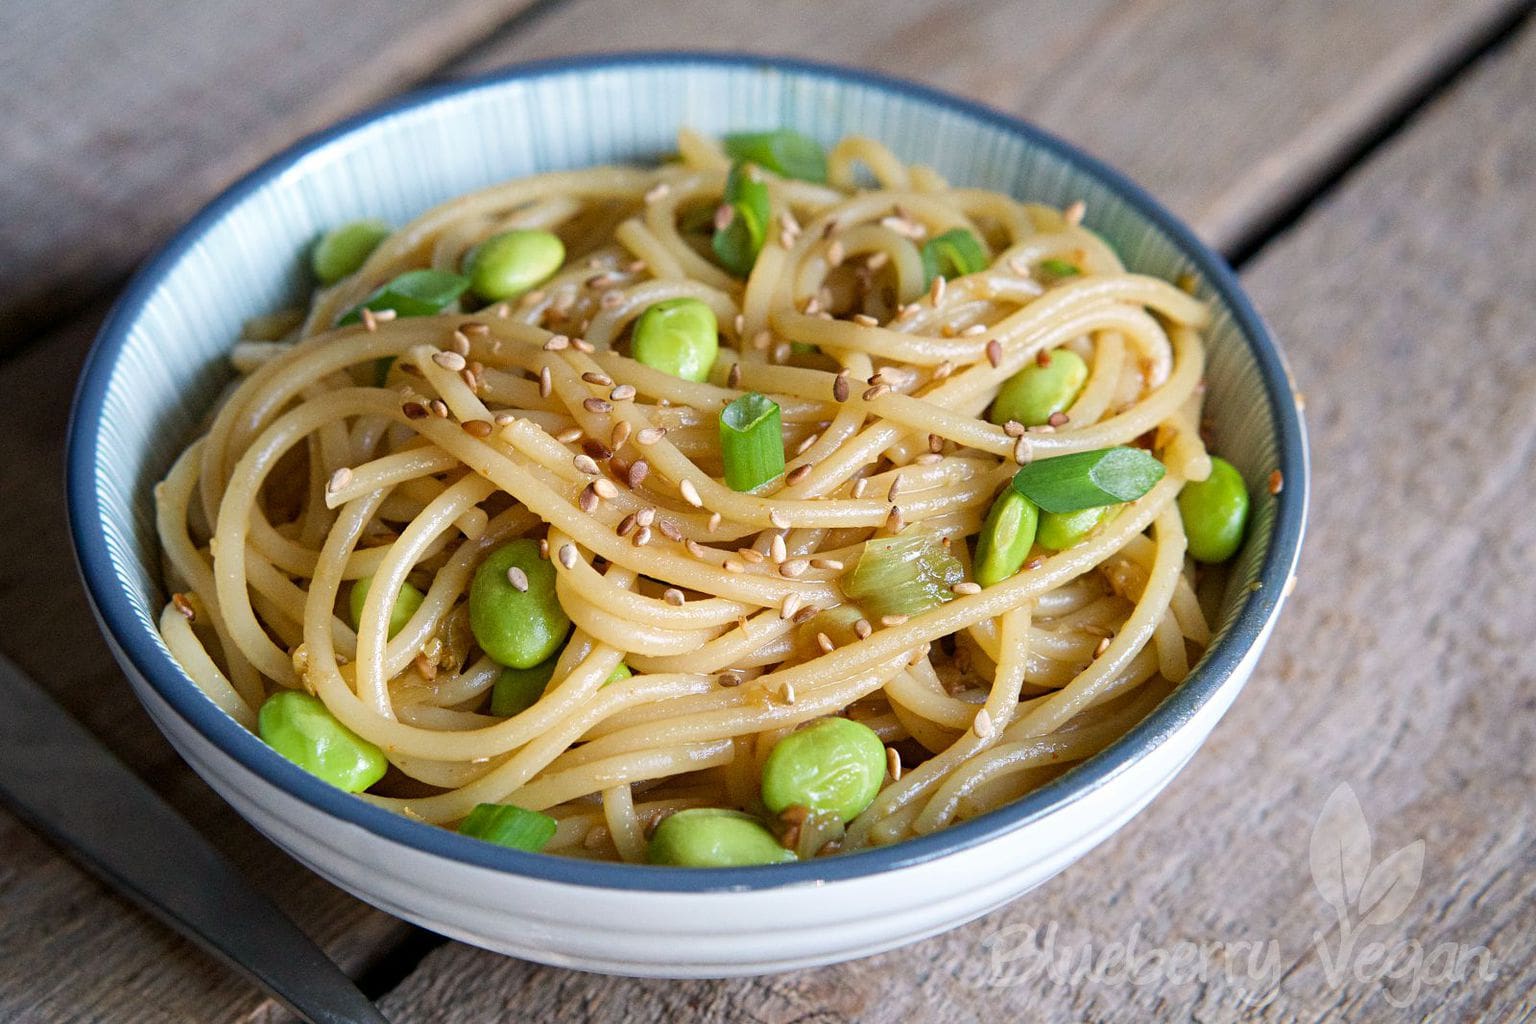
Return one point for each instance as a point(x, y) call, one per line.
point(1361, 894)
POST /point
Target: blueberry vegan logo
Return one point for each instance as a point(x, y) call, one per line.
point(1367, 897)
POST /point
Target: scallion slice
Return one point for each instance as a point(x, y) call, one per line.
point(903, 575)
point(955, 253)
point(509, 825)
point(751, 444)
point(784, 152)
point(737, 244)
point(1070, 483)
point(1055, 270)
point(413, 293)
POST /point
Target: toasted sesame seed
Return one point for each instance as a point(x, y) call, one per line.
point(439, 408)
point(1013, 428)
point(584, 463)
point(893, 763)
point(865, 320)
point(604, 488)
point(831, 564)
point(731, 565)
point(518, 578)
point(1276, 482)
point(894, 521)
point(936, 291)
point(733, 376)
point(581, 344)
point(449, 361)
point(696, 549)
point(657, 192)
point(812, 306)
point(729, 679)
point(797, 474)
point(1034, 563)
point(862, 629)
point(995, 352)
point(672, 596)
point(806, 442)
point(642, 537)
point(557, 343)
point(504, 419)
point(602, 380)
point(567, 555)
point(982, 724)
point(544, 548)
point(825, 643)
point(414, 410)
point(1023, 451)
point(568, 435)
point(752, 555)
point(690, 493)
point(646, 516)
point(895, 488)
point(714, 522)
point(790, 606)
point(370, 319)
point(893, 620)
point(777, 549)
point(1101, 646)
point(587, 499)
point(595, 448)
point(840, 386)
point(870, 394)
point(596, 405)
point(669, 529)
point(1058, 419)
point(184, 607)
point(338, 480)
point(762, 339)
point(619, 434)
point(966, 587)
point(778, 519)
point(637, 473)
point(478, 428)
point(1074, 212)
point(943, 370)
point(793, 568)
point(650, 435)
point(928, 459)
point(622, 393)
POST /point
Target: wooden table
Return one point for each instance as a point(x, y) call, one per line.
point(1371, 167)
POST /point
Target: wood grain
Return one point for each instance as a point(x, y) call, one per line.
point(1401, 669)
point(1227, 112)
point(69, 949)
point(122, 117)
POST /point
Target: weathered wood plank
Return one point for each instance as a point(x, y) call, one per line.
point(1227, 112)
point(69, 949)
point(123, 117)
point(1401, 669)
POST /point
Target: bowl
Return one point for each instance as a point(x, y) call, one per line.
point(160, 361)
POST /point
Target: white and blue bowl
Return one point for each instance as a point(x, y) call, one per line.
point(161, 359)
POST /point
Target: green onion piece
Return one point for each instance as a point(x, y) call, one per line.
point(1055, 269)
point(905, 575)
point(737, 244)
point(1069, 483)
point(413, 293)
point(751, 444)
point(509, 825)
point(955, 253)
point(784, 152)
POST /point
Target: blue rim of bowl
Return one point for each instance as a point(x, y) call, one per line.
point(116, 612)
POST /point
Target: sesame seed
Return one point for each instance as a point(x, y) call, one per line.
point(622, 393)
point(777, 549)
point(557, 343)
point(637, 472)
point(602, 380)
point(595, 448)
point(669, 529)
point(797, 474)
point(544, 548)
point(414, 410)
point(567, 555)
point(1013, 428)
point(762, 339)
point(646, 516)
point(1034, 563)
point(840, 386)
point(585, 464)
point(620, 434)
point(504, 419)
point(893, 620)
point(865, 320)
point(870, 394)
point(733, 378)
point(714, 522)
point(995, 352)
point(587, 499)
point(657, 192)
point(893, 763)
point(752, 555)
point(936, 291)
point(1023, 451)
point(581, 344)
point(739, 323)
point(690, 493)
point(1043, 357)
point(731, 565)
point(1058, 419)
point(835, 254)
point(184, 607)
point(439, 408)
point(605, 489)
point(449, 361)
point(982, 724)
point(650, 435)
point(943, 370)
point(518, 578)
point(825, 643)
point(596, 405)
point(862, 629)
point(478, 428)
point(810, 439)
point(895, 488)
point(790, 606)
point(672, 596)
point(966, 587)
point(338, 480)
point(928, 459)
point(827, 563)
point(1276, 482)
point(894, 521)
point(793, 568)
point(568, 435)
point(1101, 646)
point(729, 679)
point(1074, 212)
point(642, 536)
point(696, 549)
point(778, 519)
point(812, 306)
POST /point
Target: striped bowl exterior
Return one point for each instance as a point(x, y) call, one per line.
point(160, 361)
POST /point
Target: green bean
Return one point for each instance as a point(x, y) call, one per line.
point(1039, 391)
point(1061, 530)
point(407, 600)
point(513, 611)
point(1005, 538)
point(1215, 513)
point(679, 336)
point(835, 765)
point(709, 837)
point(299, 726)
point(343, 249)
point(505, 266)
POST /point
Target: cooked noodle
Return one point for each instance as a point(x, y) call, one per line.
point(310, 477)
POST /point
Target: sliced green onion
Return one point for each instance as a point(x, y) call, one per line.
point(413, 293)
point(509, 825)
point(905, 575)
point(784, 152)
point(751, 444)
point(737, 244)
point(955, 253)
point(1069, 483)
point(1055, 269)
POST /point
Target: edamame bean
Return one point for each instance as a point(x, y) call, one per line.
point(518, 689)
point(406, 602)
point(513, 611)
point(299, 726)
point(709, 837)
point(1060, 530)
point(835, 765)
point(1005, 538)
point(1037, 392)
point(342, 250)
point(679, 336)
point(1215, 513)
point(505, 266)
